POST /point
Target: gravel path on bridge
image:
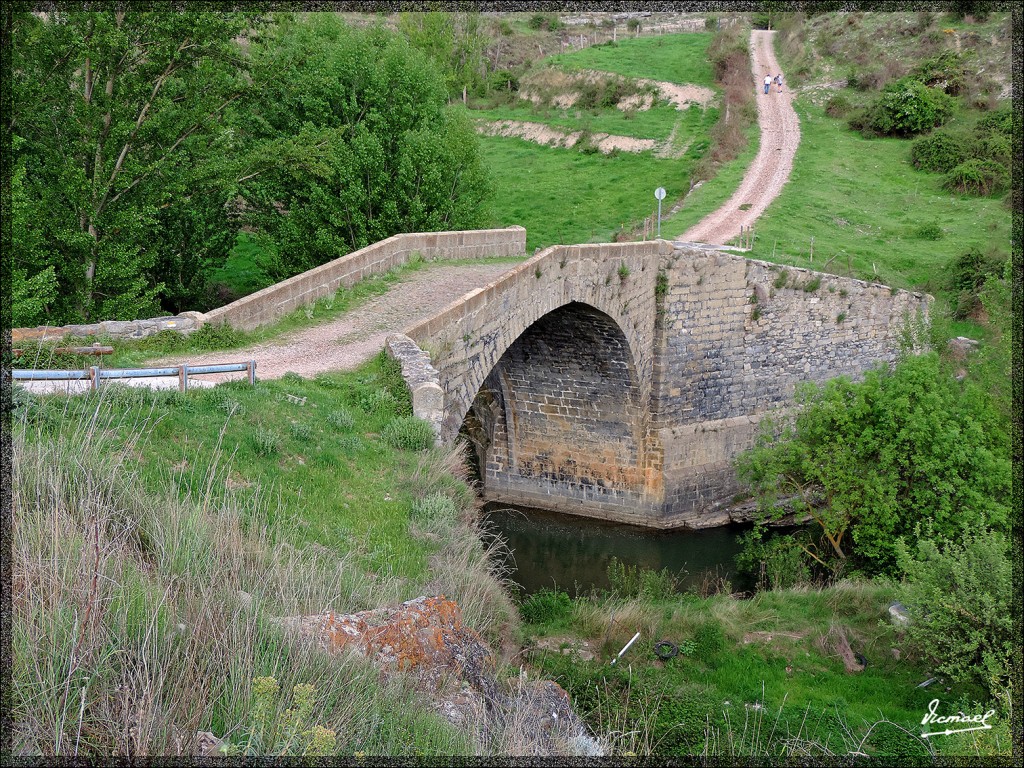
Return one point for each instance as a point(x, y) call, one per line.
point(780, 136)
point(353, 338)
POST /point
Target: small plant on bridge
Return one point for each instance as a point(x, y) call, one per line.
point(812, 285)
point(661, 286)
point(782, 279)
point(623, 272)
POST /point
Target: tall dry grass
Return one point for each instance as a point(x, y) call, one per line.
point(140, 619)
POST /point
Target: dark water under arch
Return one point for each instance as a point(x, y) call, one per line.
point(573, 552)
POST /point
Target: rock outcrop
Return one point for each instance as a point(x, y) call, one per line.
point(427, 637)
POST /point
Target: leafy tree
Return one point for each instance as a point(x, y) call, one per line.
point(906, 452)
point(355, 144)
point(454, 41)
point(116, 112)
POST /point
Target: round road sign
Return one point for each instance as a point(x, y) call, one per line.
point(660, 193)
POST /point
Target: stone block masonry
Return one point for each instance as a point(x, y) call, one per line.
point(621, 380)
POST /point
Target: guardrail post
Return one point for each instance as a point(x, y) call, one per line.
point(183, 377)
point(94, 377)
point(252, 372)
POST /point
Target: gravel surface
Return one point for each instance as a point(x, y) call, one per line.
point(353, 338)
point(780, 136)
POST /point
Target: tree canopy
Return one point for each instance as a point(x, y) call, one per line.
point(144, 140)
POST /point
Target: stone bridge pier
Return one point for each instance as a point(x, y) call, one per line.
point(621, 380)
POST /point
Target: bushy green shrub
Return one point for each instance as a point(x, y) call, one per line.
point(1000, 121)
point(838, 105)
point(774, 562)
point(546, 606)
point(977, 177)
point(265, 442)
point(708, 639)
point(929, 231)
point(967, 274)
point(408, 433)
point(868, 461)
point(945, 70)
point(904, 108)
point(341, 420)
point(503, 80)
point(939, 152)
point(959, 596)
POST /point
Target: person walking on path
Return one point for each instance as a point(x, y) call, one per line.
point(767, 83)
point(778, 79)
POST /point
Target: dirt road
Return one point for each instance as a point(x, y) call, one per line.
point(780, 136)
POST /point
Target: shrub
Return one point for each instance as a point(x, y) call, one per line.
point(977, 177)
point(940, 152)
point(999, 121)
point(838, 106)
point(967, 274)
point(635, 581)
point(775, 562)
point(435, 507)
point(341, 420)
point(409, 433)
point(930, 231)
point(708, 640)
point(906, 107)
point(958, 594)
point(945, 70)
point(265, 442)
point(546, 606)
point(868, 460)
point(995, 147)
point(503, 80)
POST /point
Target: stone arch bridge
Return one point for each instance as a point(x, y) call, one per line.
point(620, 380)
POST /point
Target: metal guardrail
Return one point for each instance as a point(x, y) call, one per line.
point(95, 375)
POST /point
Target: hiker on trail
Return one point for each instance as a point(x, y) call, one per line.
point(767, 83)
point(778, 79)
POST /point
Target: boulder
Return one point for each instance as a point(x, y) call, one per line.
point(426, 635)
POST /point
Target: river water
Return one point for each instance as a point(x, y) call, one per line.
point(572, 552)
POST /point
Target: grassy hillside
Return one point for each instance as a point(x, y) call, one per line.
point(187, 523)
point(672, 58)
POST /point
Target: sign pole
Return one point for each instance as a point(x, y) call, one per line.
point(660, 194)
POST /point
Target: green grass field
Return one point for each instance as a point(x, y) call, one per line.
point(755, 677)
point(672, 58)
point(864, 204)
point(565, 196)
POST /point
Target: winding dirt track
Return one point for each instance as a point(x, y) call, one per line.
point(780, 136)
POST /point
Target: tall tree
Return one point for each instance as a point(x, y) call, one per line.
point(120, 119)
point(357, 144)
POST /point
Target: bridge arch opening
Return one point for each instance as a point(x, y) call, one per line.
point(557, 422)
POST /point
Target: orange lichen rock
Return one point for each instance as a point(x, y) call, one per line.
point(426, 634)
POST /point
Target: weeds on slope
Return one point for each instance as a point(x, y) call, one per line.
point(143, 609)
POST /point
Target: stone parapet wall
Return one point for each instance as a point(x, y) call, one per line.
point(272, 302)
point(186, 322)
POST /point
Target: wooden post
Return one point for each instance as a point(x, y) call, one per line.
point(811, 256)
point(94, 377)
point(252, 372)
point(183, 377)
